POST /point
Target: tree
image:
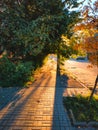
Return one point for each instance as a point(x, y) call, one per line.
point(31, 29)
point(89, 26)
point(91, 43)
point(34, 27)
point(69, 46)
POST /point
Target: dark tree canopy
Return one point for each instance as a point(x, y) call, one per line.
point(29, 30)
point(33, 27)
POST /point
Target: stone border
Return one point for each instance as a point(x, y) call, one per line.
point(82, 124)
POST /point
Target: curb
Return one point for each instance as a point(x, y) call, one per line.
point(82, 124)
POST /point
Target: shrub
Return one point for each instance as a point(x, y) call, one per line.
point(7, 70)
point(23, 73)
point(83, 110)
point(12, 74)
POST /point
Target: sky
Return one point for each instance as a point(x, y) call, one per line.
point(85, 2)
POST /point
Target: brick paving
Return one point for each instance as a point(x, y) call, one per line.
point(75, 88)
point(81, 70)
point(38, 107)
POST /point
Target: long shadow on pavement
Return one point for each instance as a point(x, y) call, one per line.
point(8, 95)
point(10, 116)
point(19, 114)
point(60, 117)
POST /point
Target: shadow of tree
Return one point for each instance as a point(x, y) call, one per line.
point(23, 110)
point(8, 95)
point(60, 117)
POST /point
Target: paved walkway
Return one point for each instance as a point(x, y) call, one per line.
point(83, 72)
point(38, 107)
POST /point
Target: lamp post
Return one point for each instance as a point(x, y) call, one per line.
point(96, 81)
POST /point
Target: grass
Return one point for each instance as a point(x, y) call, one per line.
point(82, 109)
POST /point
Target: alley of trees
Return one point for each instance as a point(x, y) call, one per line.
point(32, 29)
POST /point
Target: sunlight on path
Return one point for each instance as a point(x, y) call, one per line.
point(82, 72)
point(33, 108)
point(38, 107)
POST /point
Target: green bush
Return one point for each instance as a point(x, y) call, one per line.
point(83, 109)
point(12, 74)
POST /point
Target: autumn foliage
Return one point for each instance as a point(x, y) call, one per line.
point(89, 26)
point(91, 46)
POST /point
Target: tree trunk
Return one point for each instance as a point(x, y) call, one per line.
point(58, 63)
point(93, 88)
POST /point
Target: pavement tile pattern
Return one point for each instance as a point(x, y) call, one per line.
point(80, 69)
point(38, 107)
